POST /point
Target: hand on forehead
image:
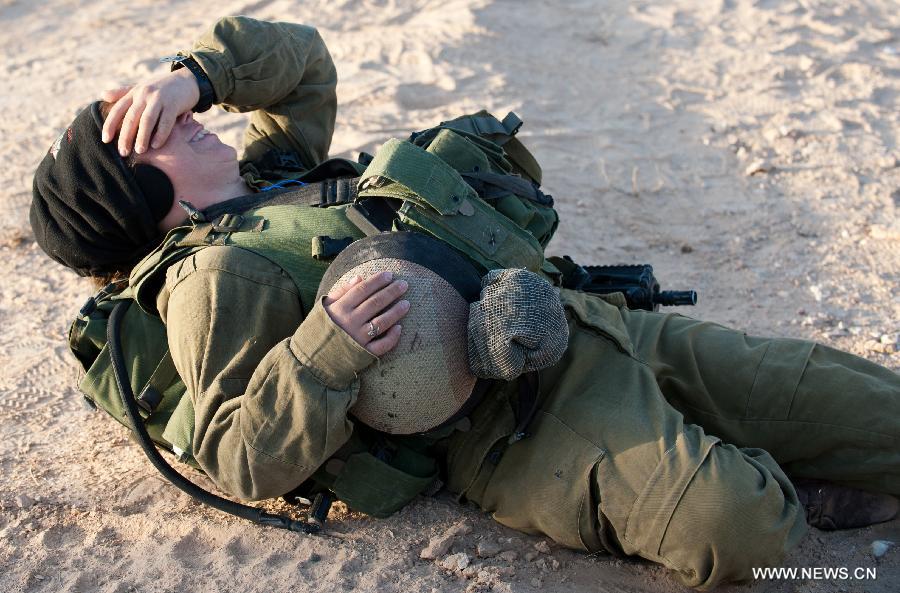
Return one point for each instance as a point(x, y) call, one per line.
point(143, 115)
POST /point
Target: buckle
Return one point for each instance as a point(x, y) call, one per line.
point(228, 223)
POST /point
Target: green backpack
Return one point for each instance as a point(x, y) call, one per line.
point(467, 181)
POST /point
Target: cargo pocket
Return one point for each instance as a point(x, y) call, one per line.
point(542, 484)
point(376, 488)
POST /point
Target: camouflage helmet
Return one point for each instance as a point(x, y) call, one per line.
point(425, 382)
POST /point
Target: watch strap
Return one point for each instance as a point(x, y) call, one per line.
point(207, 93)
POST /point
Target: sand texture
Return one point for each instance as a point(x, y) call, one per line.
point(747, 149)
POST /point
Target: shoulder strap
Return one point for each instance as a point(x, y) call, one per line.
point(326, 192)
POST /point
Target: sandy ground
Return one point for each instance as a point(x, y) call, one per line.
point(746, 149)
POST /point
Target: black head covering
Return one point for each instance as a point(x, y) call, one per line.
point(89, 211)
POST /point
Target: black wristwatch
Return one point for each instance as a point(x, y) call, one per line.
point(207, 94)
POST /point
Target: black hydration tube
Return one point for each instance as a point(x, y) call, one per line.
point(131, 409)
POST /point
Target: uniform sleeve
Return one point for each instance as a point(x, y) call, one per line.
point(270, 393)
point(283, 73)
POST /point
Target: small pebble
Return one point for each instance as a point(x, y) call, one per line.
point(487, 549)
point(23, 501)
point(880, 547)
point(536, 583)
point(542, 546)
point(461, 528)
point(455, 562)
point(437, 547)
point(509, 556)
point(758, 166)
point(875, 346)
point(530, 556)
point(484, 576)
point(471, 570)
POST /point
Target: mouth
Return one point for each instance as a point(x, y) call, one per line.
point(199, 135)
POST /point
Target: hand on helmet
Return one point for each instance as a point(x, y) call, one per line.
point(147, 107)
point(368, 310)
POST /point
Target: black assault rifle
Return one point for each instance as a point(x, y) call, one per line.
point(636, 282)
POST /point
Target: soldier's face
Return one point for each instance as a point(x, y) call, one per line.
point(192, 155)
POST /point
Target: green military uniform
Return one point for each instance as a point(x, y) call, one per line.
point(618, 456)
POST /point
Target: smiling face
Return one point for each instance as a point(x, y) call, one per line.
point(196, 162)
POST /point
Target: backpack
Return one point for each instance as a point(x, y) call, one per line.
point(467, 181)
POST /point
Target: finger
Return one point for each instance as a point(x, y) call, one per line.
point(340, 290)
point(390, 317)
point(365, 289)
point(129, 128)
point(385, 343)
point(380, 301)
point(113, 95)
point(146, 127)
point(114, 117)
point(164, 127)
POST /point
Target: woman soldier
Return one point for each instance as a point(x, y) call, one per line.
point(655, 435)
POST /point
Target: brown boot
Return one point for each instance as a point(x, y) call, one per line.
point(831, 506)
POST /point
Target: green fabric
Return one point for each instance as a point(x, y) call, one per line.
point(288, 237)
point(484, 128)
point(380, 489)
point(673, 439)
point(179, 430)
point(145, 351)
point(466, 152)
point(438, 201)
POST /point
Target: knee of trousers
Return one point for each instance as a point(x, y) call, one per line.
point(737, 512)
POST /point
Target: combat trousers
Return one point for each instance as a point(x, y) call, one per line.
point(673, 439)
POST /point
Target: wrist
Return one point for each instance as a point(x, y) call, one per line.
point(206, 93)
point(327, 351)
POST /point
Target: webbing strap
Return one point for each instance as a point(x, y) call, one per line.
point(422, 175)
point(330, 192)
point(501, 133)
point(488, 125)
point(491, 186)
point(163, 376)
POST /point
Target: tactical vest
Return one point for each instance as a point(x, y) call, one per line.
point(454, 183)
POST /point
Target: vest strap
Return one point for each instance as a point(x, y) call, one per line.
point(324, 247)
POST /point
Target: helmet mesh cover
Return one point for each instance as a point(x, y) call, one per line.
point(425, 379)
point(518, 326)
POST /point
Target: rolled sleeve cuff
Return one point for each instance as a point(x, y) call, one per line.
point(330, 354)
point(217, 69)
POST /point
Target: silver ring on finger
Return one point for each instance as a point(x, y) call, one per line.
point(374, 330)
